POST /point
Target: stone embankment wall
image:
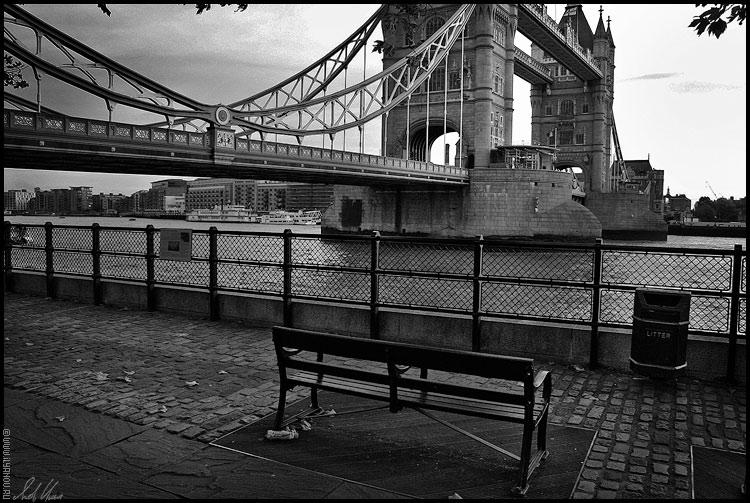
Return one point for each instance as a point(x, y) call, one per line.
point(507, 203)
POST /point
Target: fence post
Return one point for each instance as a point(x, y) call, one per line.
point(150, 257)
point(375, 286)
point(476, 321)
point(287, 267)
point(734, 308)
point(96, 253)
point(213, 274)
point(8, 247)
point(49, 269)
point(594, 345)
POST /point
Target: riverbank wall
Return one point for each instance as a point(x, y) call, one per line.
point(498, 203)
point(544, 341)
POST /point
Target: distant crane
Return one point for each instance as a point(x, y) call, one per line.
point(621, 171)
point(712, 191)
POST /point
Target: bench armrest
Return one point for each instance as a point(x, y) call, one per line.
point(539, 378)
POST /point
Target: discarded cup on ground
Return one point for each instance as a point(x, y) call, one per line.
point(282, 434)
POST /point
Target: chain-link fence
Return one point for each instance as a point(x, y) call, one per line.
point(591, 284)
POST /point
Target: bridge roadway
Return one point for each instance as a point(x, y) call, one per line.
point(539, 27)
point(56, 142)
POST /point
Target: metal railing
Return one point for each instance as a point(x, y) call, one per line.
point(76, 128)
point(579, 284)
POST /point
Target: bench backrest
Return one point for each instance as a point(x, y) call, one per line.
point(410, 355)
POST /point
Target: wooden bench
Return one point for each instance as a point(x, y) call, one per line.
point(387, 378)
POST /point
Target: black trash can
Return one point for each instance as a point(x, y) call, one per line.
point(660, 332)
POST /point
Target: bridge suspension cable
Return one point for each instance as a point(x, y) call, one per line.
point(365, 100)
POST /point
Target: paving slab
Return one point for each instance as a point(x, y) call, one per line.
point(39, 474)
point(144, 454)
point(225, 474)
point(62, 428)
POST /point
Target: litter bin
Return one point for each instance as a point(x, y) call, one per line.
point(660, 330)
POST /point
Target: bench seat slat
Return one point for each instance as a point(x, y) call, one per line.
point(429, 400)
point(463, 391)
point(328, 369)
point(363, 389)
point(463, 362)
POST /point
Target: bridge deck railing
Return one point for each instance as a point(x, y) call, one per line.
point(538, 11)
point(115, 132)
point(592, 285)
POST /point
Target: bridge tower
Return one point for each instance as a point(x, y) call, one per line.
point(485, 116)
point(576, 115)
point(470, 93)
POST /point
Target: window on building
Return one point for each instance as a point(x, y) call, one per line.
point(567, 107)
point(433, 24)
point(548, 110)
point(498, 34)
point(437, 80)
point(454, 79)
point(498, 82)
point(585, 108)
point(580, 138)
point(565, 137)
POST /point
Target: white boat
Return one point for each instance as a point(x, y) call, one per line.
point(227, 213)
point(308, 218)
point(277, 217)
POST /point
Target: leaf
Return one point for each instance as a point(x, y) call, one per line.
point(101, 376)
point(60, 418)
point(129, 372)
point(223, 372)
point(191, 383)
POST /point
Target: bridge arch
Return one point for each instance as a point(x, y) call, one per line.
point(420, 134)
point(578, 168)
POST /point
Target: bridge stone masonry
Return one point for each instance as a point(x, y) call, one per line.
point(473, 95)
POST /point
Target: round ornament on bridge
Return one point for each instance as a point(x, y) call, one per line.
point(222, 115)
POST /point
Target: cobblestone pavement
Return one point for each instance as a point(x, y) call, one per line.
point(200, 379)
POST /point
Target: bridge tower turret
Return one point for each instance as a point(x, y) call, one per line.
point(575, 115)
point(485, 118)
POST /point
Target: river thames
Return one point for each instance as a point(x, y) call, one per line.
point(161, 223)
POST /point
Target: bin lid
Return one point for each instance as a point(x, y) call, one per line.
point(662, 298)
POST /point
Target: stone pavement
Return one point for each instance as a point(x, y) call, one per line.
point(141, 394)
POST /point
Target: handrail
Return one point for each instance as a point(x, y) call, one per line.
point(477, 278)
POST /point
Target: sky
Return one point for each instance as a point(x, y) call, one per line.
point(679, 99)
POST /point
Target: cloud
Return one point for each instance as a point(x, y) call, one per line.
point(653, 76)
point(694, 86)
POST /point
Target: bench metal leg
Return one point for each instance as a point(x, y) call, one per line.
point(523, 480)
point(314, 397)
point(280, 408)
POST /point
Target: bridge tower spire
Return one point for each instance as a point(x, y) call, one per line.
point(575, 115)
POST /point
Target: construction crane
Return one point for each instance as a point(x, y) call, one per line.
point(712, 190)
point(621, 171)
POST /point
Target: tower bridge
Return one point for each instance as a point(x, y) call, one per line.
point(453, 73)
